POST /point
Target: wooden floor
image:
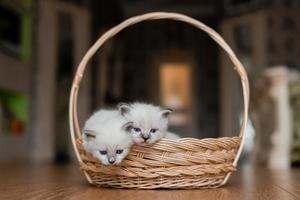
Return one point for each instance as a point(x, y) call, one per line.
point(67, 182)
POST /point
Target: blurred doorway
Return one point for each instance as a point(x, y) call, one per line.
point(174, 84)
point(69, 35)
point(175, 91)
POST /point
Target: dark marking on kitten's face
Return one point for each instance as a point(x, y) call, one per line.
point(89, 134)
point(128, 127)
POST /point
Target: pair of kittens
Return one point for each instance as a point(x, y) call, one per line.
point(109, 134)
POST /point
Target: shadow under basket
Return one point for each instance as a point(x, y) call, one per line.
point(186, 163)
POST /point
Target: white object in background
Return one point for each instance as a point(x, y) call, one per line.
point(249, 137)
point(281, 138)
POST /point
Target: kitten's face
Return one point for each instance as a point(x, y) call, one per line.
point(150, 123)
point(109, 155)
point(108, 147)
point(143, 135)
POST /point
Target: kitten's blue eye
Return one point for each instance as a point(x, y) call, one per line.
point(103, 152)
point(119, 151)
point(137, 129)
point(153, 130)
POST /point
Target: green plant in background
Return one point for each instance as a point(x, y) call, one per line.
point(14, 112)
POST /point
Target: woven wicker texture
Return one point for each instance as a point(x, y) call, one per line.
point(185, 163)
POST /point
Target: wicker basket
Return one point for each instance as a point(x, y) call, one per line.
point(185, 163)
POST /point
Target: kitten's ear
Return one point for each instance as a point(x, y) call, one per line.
point(89, 134)
point(124, 108)
point(166, 112)
point(128, 126)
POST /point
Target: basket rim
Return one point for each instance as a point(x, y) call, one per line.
point(238, 66)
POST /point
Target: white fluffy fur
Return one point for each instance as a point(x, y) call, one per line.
point(109, 128)
point(171, 136)
point(147, 117)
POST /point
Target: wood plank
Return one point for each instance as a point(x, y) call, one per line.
point(67, 182)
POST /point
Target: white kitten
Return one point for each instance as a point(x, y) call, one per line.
point(106, 137)
point(150, 123)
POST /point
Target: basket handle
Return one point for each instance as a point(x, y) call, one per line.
point(73, 120)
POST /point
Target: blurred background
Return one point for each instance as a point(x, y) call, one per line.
point(164, 62)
